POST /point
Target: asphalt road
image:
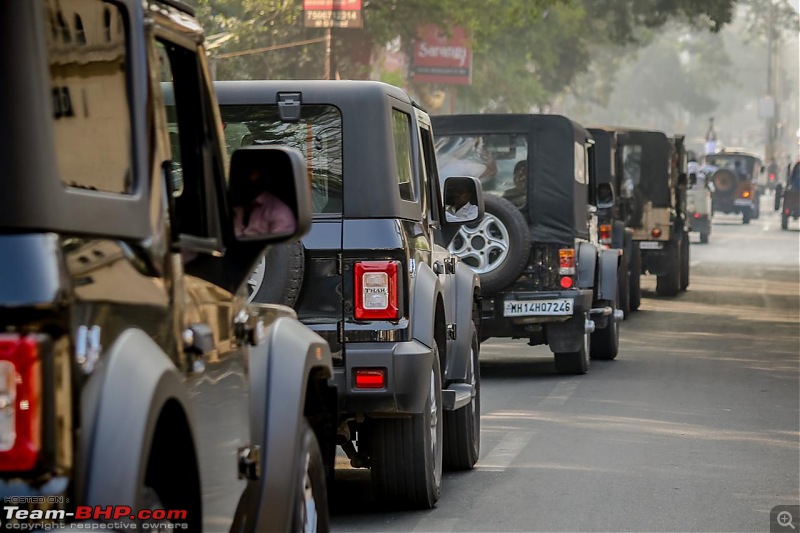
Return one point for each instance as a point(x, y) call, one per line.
point(693, 428)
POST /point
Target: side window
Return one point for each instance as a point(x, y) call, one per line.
point(581, 176)
point(431, 171)
point(631, 169)
point(401, 128)
point(190, 134)
point(87, 44)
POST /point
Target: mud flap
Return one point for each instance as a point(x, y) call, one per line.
point(565, 337)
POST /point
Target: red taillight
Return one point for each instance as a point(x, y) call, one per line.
point(746, 194)
point(771, 176)
point(566, 261)
point(785, 211)
point(697, 215)
point(656, 233)
point(376, 290)
point(370, 378)
point(566, 282)
point(20, 401)
point(604, 233)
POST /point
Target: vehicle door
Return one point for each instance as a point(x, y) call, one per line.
point(442, 261)
point(189, 152)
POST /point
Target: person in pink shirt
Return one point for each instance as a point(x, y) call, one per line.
point(266, 214)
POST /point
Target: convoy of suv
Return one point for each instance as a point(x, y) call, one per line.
point(183, 336)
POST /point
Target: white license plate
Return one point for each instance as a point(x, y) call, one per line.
point(561, 306)
point(651, 245)
point(742, 201)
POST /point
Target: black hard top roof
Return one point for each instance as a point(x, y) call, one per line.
point(369, 166)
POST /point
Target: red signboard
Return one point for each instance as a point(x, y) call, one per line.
point(442, 57)
point(332, 13)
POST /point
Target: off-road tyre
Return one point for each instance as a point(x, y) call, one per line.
point(757, 208)
point(282, 277)
point(405, 465)
point(605, 342)
point(685, 263)
point(311, 495)
point(747, 215)
point(724, 181)
point(575, 363)
point(784, 221)
point(703, 238)
point(501, 220)
point(462, 427)
point(635, 278)
point(669, 284)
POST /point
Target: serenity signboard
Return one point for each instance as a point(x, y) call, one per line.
point(442, 57)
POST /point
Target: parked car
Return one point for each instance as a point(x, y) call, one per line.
point(543, 274)
point(611, 230)
point(132, 373)
point(401, 313)
point(736, 186)
point(652, 179)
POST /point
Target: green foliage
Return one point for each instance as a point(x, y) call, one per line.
point(526, 52)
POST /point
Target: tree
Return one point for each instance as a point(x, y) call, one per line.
point(526, 52)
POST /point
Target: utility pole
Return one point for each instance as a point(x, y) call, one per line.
point(326, 73)
point(769, 152)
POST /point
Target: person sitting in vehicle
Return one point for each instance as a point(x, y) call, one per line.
point(518, 195)
point(260, 212)
point(459, 206)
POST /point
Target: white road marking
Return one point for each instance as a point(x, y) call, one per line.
point(436, 524)
point(561, 393)
point(504, 453)
point(694, 263)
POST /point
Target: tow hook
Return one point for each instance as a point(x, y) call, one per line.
point(589, 327)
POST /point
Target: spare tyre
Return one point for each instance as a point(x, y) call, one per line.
point(278, 276)
point(497, 247)
point(724, 181)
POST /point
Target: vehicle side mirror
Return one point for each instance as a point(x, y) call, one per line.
point(605, 196)
point(269, 196)
point(463, 200)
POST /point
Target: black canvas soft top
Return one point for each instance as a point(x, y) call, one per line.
point(655, 158)
point(603, 155)
point(557, 203)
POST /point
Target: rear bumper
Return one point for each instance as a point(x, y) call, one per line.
point(407, 366)
point(701, 223)
point(496, 324)
point(733, 205)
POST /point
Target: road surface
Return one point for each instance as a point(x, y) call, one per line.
point(693, 428)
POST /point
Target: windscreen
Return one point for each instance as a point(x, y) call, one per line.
point(318, 136)
point(499, 161)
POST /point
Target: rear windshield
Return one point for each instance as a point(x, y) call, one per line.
point(499, 161)
point(318, 135)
